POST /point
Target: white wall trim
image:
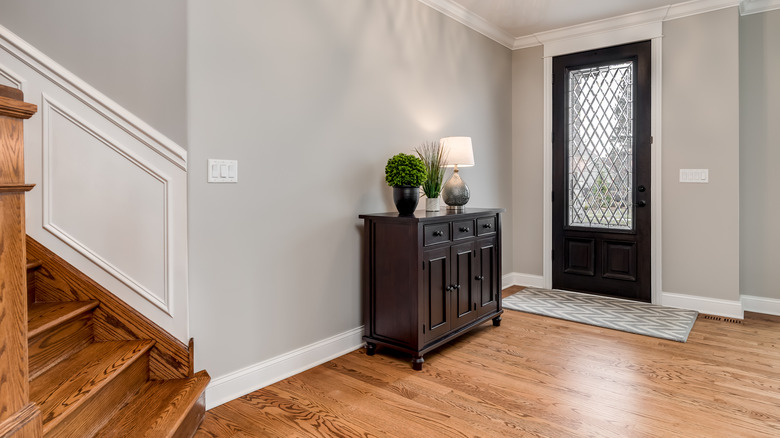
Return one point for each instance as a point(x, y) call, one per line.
point(471, 20)
point(696, 7)
point(520, 279)
point(612, 31)
point(656, 169)
point(12, 77)
point(547, 183)
point(49, 105)
point(618, 36)
point(711, 306)
point(555, 37)
point(67, 80)
point(769, 306)
point(69, 108)
point(747, 7)
point(241, 382)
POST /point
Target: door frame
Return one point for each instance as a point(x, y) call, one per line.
point(654, 33)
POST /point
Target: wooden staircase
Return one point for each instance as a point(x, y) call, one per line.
point(97, 367)
point(75, 361)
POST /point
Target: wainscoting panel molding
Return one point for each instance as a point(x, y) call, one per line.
point(110, 192)
point(233, 385)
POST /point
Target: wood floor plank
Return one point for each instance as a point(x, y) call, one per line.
point(533, 376)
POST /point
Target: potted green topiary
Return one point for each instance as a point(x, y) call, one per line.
point(404, 173)
point(434, 157)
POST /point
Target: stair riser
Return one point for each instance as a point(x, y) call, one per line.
point(52, 346)
point(30, 287)
point(88, 418)
point(193, 419)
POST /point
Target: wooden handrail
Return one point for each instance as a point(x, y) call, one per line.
point(18, 417)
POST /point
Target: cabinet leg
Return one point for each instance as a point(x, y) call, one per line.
point(497, 321)
point(417, 363)
point(370, 349)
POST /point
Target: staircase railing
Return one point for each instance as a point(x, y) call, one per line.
point(18, 417)
point(111, 191)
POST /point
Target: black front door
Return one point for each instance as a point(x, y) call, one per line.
point(601, 171)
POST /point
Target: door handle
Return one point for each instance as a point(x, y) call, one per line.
point(641, 203)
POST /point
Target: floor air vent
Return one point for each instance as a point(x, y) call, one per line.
point(721, 318)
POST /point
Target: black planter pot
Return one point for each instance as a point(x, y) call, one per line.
point(406, 199)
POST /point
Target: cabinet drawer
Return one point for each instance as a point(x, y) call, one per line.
point(436, 233)
point(486, 225)
point(462, 229)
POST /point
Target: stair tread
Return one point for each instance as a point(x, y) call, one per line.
point(43, 316)
point(157, 409)
point(33, 264)
point(69, 383)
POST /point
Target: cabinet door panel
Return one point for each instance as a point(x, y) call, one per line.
point(487, 276)
point(437, 297)
point(463, 294)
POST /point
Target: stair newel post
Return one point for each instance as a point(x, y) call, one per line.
point(18, 417)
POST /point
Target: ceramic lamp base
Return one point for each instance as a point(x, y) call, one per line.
point(455, 192)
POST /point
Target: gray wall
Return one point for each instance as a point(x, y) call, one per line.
point(759, 47)
point(701, 131)
point(528, 159)
point(134, 52)
point(312, 97)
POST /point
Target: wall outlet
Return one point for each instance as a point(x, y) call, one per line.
point(222, 171)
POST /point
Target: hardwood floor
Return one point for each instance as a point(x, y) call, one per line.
point(533, 376)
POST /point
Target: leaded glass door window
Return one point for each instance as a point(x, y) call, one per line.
point(600, 152)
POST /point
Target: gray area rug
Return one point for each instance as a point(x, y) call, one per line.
point(614, 313)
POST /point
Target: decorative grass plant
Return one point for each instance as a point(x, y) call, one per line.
point(434, 157)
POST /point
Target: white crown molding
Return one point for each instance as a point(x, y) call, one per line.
point(657, 15)
point(241, 382)
point(601, 26)
point(471, 20)
point(747, 7)
point(696, 7)
point(164, 303)
point(67, 80)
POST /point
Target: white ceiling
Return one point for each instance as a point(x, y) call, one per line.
point(516, 23)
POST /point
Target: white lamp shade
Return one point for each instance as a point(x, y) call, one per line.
point(458, 151)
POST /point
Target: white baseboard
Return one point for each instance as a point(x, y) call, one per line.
point(710, 306)
point(518, 279)
point(238, 383)
point(770, 306)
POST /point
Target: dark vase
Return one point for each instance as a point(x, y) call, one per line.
point(406, 199)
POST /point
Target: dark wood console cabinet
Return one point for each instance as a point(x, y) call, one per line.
point(429, 278)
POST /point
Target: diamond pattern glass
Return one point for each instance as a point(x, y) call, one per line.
point(600, 147)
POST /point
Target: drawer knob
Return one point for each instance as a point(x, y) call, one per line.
point(438, 233)
point(479, 277)
point(449, 288)
point(487, 225)
point(464, 229)
point(457, 286)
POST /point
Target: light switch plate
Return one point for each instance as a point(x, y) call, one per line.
point(701, 176)
point(222, 171)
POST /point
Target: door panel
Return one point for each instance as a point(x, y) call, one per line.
point(487, 276)
point(601, 171)
point(463, 292)
point(436, 291)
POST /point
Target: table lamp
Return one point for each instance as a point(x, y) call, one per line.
point(459, 152)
